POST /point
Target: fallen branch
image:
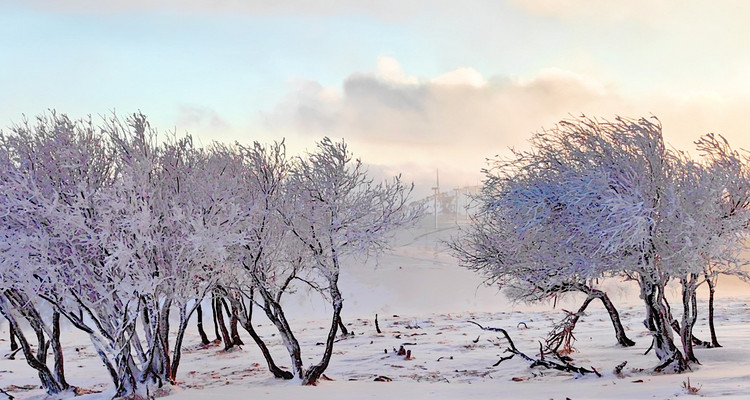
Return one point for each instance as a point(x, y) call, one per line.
point(564, 366)
point(7, 396)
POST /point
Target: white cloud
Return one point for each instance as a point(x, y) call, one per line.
point(422, 124)
point(462, 76)
point(391, 71)
point(194, 116)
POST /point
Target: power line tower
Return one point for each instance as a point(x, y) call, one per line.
point(436, 189)
point(458, 194)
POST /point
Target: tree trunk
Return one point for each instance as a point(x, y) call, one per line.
point(35, 361)
point(276, 315)
point(177, 351)
point(314, 373)
point(236, 340)
point(216, 322)
point(689, 316)
point(657, 321)
point(342, 327)
point(711, 291)
point(245, 316)
point(57, 351)
point(219, 318)
point(204, 337)
point(614, 316)
point(13, 344)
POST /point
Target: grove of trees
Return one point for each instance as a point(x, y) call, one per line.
point(122, 233)
point(116, 230)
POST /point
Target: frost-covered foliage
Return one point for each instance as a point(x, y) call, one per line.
point(305, 216)
point(596, 199)
point(115, 229)
point(50, 169)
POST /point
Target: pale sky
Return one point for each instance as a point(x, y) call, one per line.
point(413, 85)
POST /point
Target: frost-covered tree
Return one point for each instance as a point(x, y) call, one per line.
point(113, 231)
point(599, 198)
point(48, 166)
point(166, 225)
point(265, 254)
point(536, 233)
point(706, 216)
point(729, 170)
point(331, 209)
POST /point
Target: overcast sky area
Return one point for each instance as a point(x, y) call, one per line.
point(412, 85)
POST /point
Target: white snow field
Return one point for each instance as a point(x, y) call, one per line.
point(423, 301)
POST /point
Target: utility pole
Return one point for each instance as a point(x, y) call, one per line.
point(436, 189)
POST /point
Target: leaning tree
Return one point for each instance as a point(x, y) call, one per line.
point(536, 232)
point(602, 198)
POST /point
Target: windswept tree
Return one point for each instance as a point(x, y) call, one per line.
point(594, 199)
point(729, 199)
point(535, 233)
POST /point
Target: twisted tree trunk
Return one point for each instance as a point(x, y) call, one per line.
point(53, 380)
point(657, 321)
point(689, 316)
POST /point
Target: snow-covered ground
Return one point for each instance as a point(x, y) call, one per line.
point(423, 301)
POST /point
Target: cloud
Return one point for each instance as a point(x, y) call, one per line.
point(457, 119)
point(194, 117)
point(452, 121)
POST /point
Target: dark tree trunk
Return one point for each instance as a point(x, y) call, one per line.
point(13, 344)
point(219, 318)
point(689, 315)
point(164, 339)
point(711, 291)
point(313, 374)
point(614, 316)
point(233, 322)
point(275, 314)
point(245, 316)
point(36, 361)
point(657, 321)
point(216, 322)
point(57, 351)
point(177, 351)
point(204, 337)
point(342, 327)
